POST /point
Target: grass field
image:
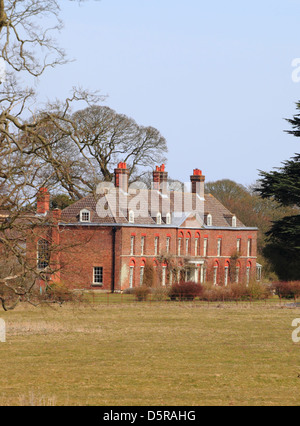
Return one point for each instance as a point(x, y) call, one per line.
point(142, 354)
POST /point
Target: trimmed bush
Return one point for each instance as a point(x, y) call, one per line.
point(185, 291)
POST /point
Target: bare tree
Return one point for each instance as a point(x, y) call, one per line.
point(27, 46)
point(85, 148)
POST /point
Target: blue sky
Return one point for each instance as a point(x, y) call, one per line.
point(214, 77)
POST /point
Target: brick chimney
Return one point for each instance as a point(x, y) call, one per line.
point(122, 177)
point(198, 181)
point(43, 201)
point(160, 179)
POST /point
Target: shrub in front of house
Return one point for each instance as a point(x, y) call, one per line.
point(185, 291)
point(142, 293)
point(287, 290)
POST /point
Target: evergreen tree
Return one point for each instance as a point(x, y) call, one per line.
point(283, 186)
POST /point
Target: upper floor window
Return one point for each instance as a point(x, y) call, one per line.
point(85, 216)
point(168, 244)
point(205, 247)
point(158, 219)
point(197, 245)
point(239, 245)
point(249, 251)
point(179, 246)
point(168, 219)
point(219, 250)
point(43, 254)
point(131, 216)
point(209, 220)
point(143, 242)
point(132, 245)
point(156, 246)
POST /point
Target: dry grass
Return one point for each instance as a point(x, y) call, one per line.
point(175, 354)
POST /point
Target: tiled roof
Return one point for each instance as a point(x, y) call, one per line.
point(150, 202)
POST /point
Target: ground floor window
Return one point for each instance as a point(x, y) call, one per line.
point(226, 275)
point(216, 269)
point(131, 276)
point(258, 272)
point(164, 275)
point(98, 276)
point(43, 254)
point(142, 270)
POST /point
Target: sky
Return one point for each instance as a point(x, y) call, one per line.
point(214, 77)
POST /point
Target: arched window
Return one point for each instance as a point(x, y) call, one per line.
point(188, 244)
point(158, 219)
point(85, 216)
point(168, 219)
point(234, 222)
point(43, 251)
point(237, 272)
point(226, 274)
point(248, 273)
point(197, 244)
point(142, 270)
point(131, 273)
point(216, 273)
point(209, 220)
point(131, 216)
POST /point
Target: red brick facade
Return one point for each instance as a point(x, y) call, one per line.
point(108, 252)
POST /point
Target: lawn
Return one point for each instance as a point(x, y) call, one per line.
point(150, 354)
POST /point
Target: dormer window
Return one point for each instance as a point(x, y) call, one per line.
point(158, 219)
point(234, 222)
point(131, 216)
point(209, 220)
point(85, 216)
point(168, 219)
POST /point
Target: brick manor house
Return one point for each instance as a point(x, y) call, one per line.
point(107, 239)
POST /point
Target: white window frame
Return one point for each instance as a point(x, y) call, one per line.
point(216, 271)
point(237, 274)
point(99, 273)
point(179, 245)
point(219, 248)
point(143, 242)
point(156, 246)
point(43, 254)
point(209, 220)
point(168, 244)
point(158, 219)
point(197, 240)
point(164, 275)
point(131, 216)
point(168, 219)
point(226, 276)
point(132, 245)
point(85, 212)
point(131, 276)
point(239, 245)
point(205, 247)
point(142, 272)
point(234, 222)
point(249, 247)
point(187, 246)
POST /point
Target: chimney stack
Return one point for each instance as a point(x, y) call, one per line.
point(198, 181)
point(160, 179)
point(122, 177)
point(43, 201)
